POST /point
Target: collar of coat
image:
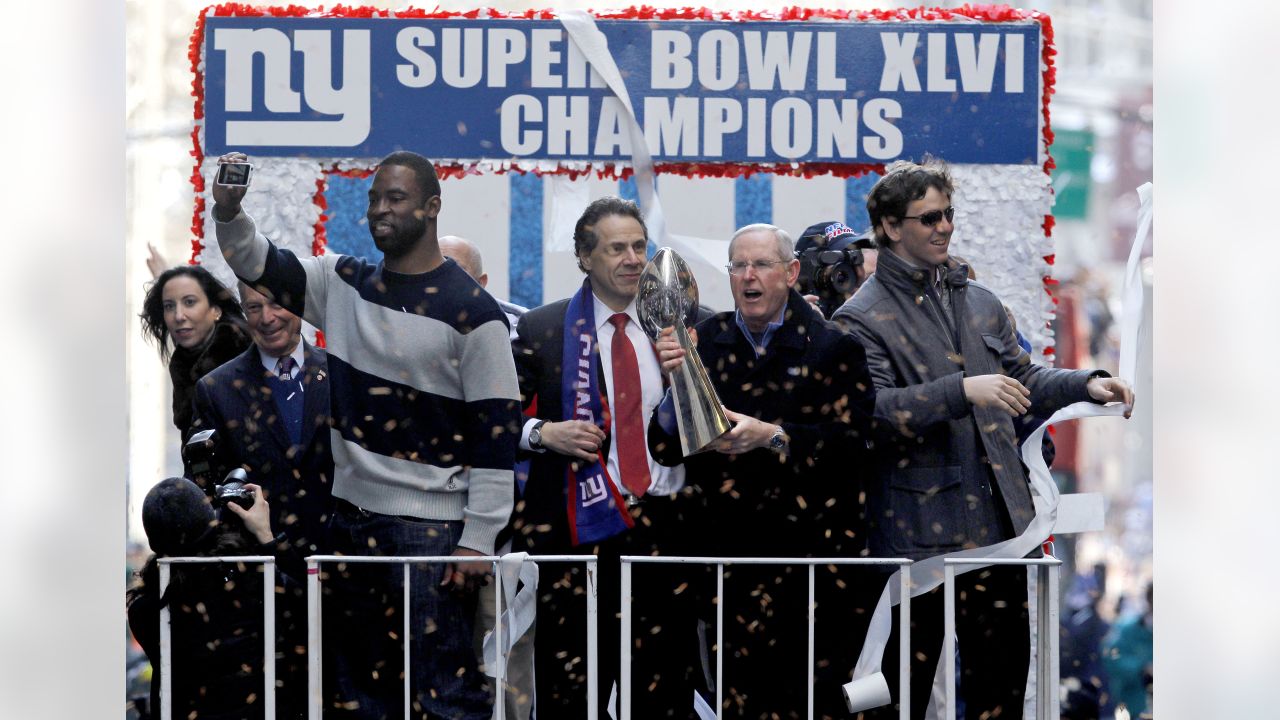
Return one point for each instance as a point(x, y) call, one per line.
point(226, 341)
point(797, 319)
point(902, 275)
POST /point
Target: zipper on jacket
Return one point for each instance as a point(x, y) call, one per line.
point(937, 315)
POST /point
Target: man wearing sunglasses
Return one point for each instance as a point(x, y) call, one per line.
point(950, 378)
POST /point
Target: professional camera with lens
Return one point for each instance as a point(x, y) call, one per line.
point(205, 463)
point(233, 490)
point(830, 254)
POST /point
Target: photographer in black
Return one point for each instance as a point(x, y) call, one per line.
point(216, 609)
point(834, 262)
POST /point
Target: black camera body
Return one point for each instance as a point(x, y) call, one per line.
point(204, 462)
point(234, 174)
point(829, 272)
point(829, 254)
point(233, 490)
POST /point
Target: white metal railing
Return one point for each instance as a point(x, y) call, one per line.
point(1047, 661)
point(904, 620)
point(315, 640)
point(1047, 569)
point(268, 629)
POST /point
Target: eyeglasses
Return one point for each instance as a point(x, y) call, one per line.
point(740, 266)
point(933, 217)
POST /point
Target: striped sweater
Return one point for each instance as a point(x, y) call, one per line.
point(423, 392)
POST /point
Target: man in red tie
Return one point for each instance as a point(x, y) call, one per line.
point(783, 482)
point(593, 488)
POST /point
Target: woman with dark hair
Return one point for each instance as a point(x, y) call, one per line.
point(187, 305)
point(216, 609)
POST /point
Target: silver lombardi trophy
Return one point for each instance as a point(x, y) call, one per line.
point(668, 296)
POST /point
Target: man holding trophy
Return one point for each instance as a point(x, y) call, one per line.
point(784, 481)
point(593, 488)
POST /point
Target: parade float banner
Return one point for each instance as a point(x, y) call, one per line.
point(744, 100)
point(703, 91)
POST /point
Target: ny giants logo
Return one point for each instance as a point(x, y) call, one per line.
point(349, 103)
point(593, 490)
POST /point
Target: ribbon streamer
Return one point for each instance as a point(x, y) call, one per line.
point(521, 608)
point(869, 688)
point(581, 27)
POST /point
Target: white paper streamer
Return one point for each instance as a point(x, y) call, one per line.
point(869, 688)
point(565, 200)
point(582, 29)
point(702, 708)
point(521, 608)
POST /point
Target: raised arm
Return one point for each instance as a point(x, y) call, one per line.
point(298, 284)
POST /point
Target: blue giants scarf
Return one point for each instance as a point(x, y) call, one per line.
point(595, 505)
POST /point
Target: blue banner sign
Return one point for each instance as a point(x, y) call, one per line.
point(758, 92)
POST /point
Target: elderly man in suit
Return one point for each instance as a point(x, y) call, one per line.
point(784, 482)
point(270, 406)
point(593, 488)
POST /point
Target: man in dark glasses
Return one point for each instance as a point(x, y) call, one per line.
point(950, 378)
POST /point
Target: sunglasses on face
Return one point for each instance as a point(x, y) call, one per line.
point(933, 217)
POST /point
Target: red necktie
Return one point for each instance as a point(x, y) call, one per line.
point(628, 418)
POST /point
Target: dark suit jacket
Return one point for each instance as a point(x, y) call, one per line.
point(540, 521)
point(235, 399)
point(814, 382)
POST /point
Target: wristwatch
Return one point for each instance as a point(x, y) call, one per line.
point(535, 435)
point(778, 442)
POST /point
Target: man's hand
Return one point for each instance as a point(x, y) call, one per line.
point(813, 301)
point(257, 519)
point(227, 197)
point(1111, 389)
point(575, 438)
point(465, 575)
point(746, 435)
point(998, 391)
point(670, 354)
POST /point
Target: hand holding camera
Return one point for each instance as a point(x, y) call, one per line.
point(234, 490)
point(230, 184)
point(256, 515)
point(205, 463)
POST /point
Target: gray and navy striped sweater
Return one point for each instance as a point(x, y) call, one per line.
point(423, 385)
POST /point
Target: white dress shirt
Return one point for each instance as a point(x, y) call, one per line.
point(664, 480)
point(272, 364)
